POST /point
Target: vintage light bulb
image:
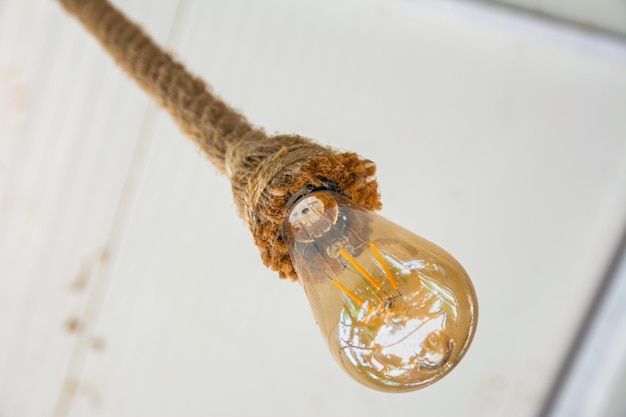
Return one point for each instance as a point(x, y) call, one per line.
point(397, 311)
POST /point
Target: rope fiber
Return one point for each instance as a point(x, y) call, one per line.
point(265, 171)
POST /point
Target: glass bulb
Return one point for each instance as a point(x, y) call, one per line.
point(397, 311)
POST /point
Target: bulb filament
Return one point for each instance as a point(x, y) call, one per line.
point(382, 263)
point(350, 294)
point(359, 268)
point(383, 297)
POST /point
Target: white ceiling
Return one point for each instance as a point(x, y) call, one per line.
point(128, 286)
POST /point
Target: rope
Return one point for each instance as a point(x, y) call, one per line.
point(264, 171)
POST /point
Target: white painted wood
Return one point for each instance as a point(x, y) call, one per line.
point(497, 136)
point(67, 149)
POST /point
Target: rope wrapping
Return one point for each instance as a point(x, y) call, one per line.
point(265, 171)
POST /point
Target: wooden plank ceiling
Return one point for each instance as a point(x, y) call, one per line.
point(129, 287)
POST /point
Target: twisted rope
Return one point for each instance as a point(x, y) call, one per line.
point(265, 171)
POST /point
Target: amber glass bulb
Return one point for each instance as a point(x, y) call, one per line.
point(397, 311)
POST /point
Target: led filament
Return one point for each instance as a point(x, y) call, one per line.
point(397, 312)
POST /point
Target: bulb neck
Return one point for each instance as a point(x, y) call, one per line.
point(326, 185)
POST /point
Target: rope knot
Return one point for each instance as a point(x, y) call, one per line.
point(266, 171)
